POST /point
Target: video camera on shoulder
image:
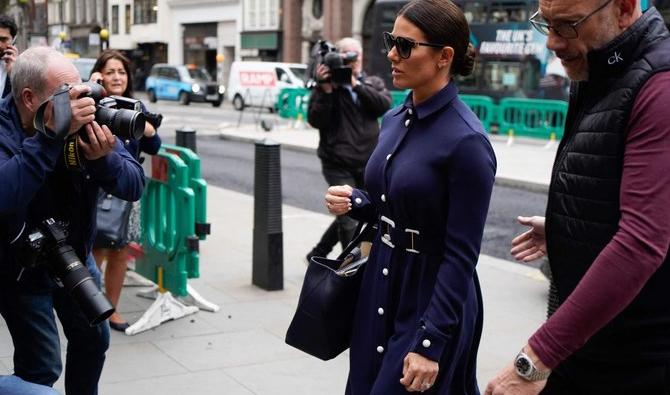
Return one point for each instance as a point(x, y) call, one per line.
point(120, 114)
point(324, 52)
point(46, 244)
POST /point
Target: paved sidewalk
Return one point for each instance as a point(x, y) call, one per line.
point(240, 349)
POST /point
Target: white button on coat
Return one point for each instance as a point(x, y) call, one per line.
point(380, 311)
point(410, 111)
point(388, 156)
point(426, 343)
point(385, 271)
point(383, 198)
point(358, 200)
point(380, 349)
point(407, 123)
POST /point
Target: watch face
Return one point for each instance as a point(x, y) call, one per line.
point(522, 365)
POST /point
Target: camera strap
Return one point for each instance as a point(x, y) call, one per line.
point(62, 114)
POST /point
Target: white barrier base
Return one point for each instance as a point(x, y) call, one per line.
point(133, 279)
point(193, 298)
point(165, 308)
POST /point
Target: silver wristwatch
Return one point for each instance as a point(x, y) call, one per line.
point(527, 369)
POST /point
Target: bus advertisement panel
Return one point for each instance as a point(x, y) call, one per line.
point(512, 57)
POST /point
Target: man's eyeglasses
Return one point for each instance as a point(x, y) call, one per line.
point(566, 30)
point(404, 45)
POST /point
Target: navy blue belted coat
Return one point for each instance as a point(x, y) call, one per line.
point(428, 185)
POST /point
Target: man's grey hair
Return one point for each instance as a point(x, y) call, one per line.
point(350, 42)
point(30, 71)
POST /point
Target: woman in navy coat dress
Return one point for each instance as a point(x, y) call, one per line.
point(428, 185)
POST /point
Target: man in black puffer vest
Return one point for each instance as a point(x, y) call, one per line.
point(607, 229)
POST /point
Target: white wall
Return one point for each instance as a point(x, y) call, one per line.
point(359, 8)
point(150, 32)
point(224, 12)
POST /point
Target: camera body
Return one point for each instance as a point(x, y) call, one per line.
point(122, 115)
point(46, 244)
point(325, 52)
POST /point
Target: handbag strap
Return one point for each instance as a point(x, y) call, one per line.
point(364, 232)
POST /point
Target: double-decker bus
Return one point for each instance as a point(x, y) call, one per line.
point(511, 55)
point(663, 7)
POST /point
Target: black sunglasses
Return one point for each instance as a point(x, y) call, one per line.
point(404, 45)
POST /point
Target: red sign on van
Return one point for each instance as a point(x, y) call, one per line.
point(257, 78)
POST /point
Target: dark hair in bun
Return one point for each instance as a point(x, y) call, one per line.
point(443, 22)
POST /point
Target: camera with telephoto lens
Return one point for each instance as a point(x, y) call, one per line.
point(46, 245)
point(122, 116)
point(339, 64)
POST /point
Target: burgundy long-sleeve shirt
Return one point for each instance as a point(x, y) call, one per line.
point(641, 243)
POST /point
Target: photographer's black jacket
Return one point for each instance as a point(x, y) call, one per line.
point(348, 131)
point(34, 186)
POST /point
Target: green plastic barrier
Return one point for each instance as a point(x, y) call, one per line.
point(398, 97)
point(197, 183)
point(532, 117)
point(483, 107)
point(168, 225)
point(199, 187)
point(292, 103)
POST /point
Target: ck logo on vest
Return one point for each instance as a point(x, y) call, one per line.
point(616, 58)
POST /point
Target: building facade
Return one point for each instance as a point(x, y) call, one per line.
point(324, 19)
point(75, 25)
point(202, 29)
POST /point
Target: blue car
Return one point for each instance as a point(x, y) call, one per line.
point(185, 83)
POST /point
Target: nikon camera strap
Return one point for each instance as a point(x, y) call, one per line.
point(62, 114)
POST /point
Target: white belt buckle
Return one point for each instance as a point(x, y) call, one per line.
point(412, 232)
point(386, 237)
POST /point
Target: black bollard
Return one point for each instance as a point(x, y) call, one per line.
point(268, 248)
point(186, 138)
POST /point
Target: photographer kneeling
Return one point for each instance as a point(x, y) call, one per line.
point(47, 219)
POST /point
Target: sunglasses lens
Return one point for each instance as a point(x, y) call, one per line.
point(388, 41)
point(404, 47)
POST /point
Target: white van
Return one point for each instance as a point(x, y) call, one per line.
point(258, 84)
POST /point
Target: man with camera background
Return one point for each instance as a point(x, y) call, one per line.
point(34, 186)
point(346, 114)
point(8, 52)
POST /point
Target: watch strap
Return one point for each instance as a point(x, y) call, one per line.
point(534, 374)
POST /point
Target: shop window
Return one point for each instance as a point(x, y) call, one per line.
point(475, 11)
point(128, 13)
point(145, 11)
point(115, 19)
point(506, 12)
point(317, 8)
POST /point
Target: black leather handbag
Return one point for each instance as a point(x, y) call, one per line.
point(112, 221)
point(323, 321)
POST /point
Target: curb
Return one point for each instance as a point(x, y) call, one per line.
point(251, 140)
point(522, 184)
point(502, 181)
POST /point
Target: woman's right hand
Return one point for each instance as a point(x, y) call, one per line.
point(338, 199)
point(531, 244)
point(96, 77)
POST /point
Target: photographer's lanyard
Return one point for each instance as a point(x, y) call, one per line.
point(62, 113)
